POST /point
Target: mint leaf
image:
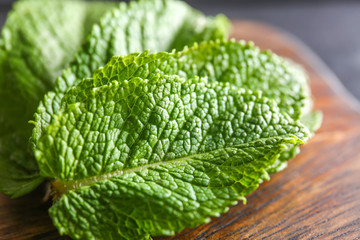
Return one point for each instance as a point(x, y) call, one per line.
point(244, 65)
point(164, 199)
point(133, 27)
point(152, 156)
point(312, 120)
point(30, 69)
point(18, 175)
point(130, 28)
point(224, 61)
point(238, 63)
point(39, 38)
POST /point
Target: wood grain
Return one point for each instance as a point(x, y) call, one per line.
point(317, 196)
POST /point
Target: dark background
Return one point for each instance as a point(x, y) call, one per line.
point(330, 28)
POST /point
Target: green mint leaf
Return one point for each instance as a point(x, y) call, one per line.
point(238, 63)
point(54, 30)
point(39, 38)
point(164, 199)
point(154, 155)
point(131, 28)
point(221, 61)
point(157, 25)
point(244, 65)
point(18, 175)
point(312, 120)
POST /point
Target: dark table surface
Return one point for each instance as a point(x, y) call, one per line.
point(330, 28)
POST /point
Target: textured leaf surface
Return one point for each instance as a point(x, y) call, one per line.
point(39, 38)
point(312, 120)
point(34, 52)
point(155, 155)
point(244, 65)
point(157, 25)
point(164, 199)
point(132, 28)
point(237, 63)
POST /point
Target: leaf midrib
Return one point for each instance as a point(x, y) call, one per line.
point(61, 187)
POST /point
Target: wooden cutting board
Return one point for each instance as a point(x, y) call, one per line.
point(317, 196)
